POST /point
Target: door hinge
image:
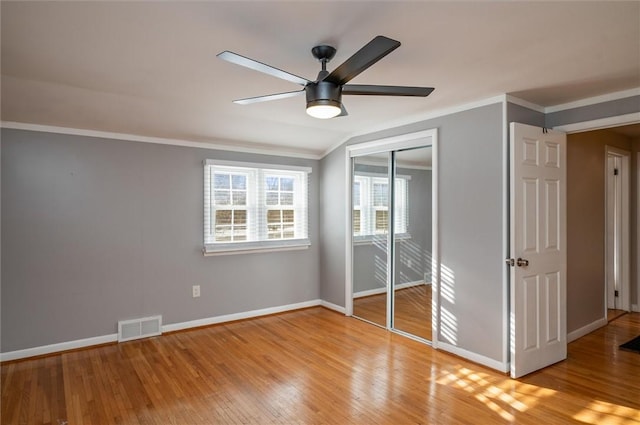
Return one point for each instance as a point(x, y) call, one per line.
point(616, 293)
point(615, 171)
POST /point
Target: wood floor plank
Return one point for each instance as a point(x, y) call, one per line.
point(315, 366)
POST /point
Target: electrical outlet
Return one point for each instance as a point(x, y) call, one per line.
point(195, 290)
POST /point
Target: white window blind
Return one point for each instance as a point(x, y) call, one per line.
point(250, 207)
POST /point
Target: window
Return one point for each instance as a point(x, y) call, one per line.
point(254, 206)
point(370, 196)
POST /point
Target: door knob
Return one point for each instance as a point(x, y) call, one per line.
point(521, 262)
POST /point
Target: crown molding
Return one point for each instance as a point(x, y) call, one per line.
point(525, 104)
point(593, 100)
point(263, 150)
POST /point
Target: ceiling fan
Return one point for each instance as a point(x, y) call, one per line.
point(324, 95)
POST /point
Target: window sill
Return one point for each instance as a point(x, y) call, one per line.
point(240, 249)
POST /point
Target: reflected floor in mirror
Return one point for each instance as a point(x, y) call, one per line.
point(412, 310)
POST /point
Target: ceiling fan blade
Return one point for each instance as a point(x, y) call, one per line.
point(386, 90)
point(371, 53)
point(261, 67)
point(268, 97)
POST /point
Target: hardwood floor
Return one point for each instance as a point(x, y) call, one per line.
point(412, 310)
point(316, 366)
point(614, 314)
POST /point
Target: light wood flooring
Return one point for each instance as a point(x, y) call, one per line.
point(316, 366)
point(412, 310)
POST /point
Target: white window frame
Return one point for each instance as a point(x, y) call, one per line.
point(257, 233)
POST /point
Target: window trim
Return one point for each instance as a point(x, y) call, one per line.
point(241, 247)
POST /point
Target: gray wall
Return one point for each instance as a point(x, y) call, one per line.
point(522, 115)
point(332, 224)
point(95, 231)
point(470, 224)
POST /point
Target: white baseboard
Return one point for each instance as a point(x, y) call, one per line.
point(382, 290)
point(369, 292)
point(238, 316)
point(54, 348)
point(474, 357)
point(635, 307)
point(333, 307)
point(88, 342)
point(578, 333)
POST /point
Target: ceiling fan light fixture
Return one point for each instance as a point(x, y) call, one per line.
point(323, 108)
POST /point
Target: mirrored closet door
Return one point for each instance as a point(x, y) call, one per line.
point(392, 240)
point(412, 243)
point(370, 225)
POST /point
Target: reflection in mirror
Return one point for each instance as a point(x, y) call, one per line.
point(370, 202)
point(412, 242)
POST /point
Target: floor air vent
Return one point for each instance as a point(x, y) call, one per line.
point(139, 328)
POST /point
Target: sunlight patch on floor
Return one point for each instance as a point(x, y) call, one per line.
point(603, 413)
point(516, 396)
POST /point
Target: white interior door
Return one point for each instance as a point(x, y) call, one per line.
point(538, 248)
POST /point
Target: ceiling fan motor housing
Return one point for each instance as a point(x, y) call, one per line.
point(323, 93)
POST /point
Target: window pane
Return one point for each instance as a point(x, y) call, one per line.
point(221, 181)
point(288, 233)
point(239, 182)
point(273, 216)
point(356, 222)
point(239, 198)
point(286, 183)
point(272, 198)
point(286, 198)
point(240, 233)
point(274, 231)
point(221, 197)
point(272, 183)
point(287, 216)
point(239, 217)
point(382, 221)
point(223, 217)
point(223, 234)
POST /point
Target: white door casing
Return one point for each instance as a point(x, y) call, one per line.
point(537, 236)
point(617, 265)
point(613, 211)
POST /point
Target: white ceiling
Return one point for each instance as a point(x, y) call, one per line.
point(150, 68)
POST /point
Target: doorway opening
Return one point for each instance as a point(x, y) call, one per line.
point(590, 178)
